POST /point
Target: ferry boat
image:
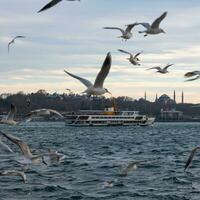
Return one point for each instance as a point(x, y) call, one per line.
point(108, 117)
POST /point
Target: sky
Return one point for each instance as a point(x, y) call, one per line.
point(70, 36)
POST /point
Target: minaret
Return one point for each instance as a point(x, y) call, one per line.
point(174, 96)
point(156, 97)
point(182, 98)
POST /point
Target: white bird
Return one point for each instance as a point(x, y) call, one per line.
point(52, 3)
point(9, 119)
point(5, 146)
point(13, 41)
point(53, 157)
point(154, 27)
point(133, 59)
point(14, 173)
point(162, 70)
point(192, 74)
point(43, 112)
point(131, 166)
point(126, 34)
point(191, 157)
point(28, 157)
point(97, 87)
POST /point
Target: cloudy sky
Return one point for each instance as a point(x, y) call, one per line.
point(70, 36)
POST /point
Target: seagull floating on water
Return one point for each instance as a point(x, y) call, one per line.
point(53, 157)
point(13, 41)
point(9, 119)
point(154, 27)
point(97, 87)
point(191, 157)
point(14, 173)
point(52, 3)
point(192, 74)
point(162, 70)
point(133, 59)
point(126, 34)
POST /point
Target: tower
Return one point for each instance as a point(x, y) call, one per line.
point(174, 96)
point(156, 97)
point(145, 96)
point(182, 98)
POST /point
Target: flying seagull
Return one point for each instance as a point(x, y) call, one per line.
point(43, 112)
point(9, 119)
point(126, 34)
point(13, 41)
point(162, 70)
point(14, 173)
point(154, 27)
point(28, 157)
point(191, 157)
point(133, 59)
point(52, 3)
point(97, 87)
point(192, 74)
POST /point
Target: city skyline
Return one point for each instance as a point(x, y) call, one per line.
point(70, 36)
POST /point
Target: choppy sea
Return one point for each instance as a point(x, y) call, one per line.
point(95, 155)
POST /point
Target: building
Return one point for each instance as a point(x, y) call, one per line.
point(171, 115)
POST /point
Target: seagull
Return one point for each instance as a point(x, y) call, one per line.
point(133, 59)
point(97, 87)
point(53, 157)
point(154, 27)
point(14, 173)
point(126, 34)
point(191, 74)
point(9, 119)
point(131, 166)
point(191, 157)
point(161, 70)
point(13, 41)
point(28, 157)
point(5, 146)
point(52, 3)
point(43, 112)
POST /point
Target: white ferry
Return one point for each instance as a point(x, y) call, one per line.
point(108, 117)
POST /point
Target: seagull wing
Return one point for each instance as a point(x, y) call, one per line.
point(11, 42)
point(12, 112)
point(5, 146)
point(103, 72)
point(130, 27)
point(82, 80)
point(193, 79)
point(56, 112)
point(165, 68)
point(156, 23)
point(19, 36)
point(49, 5)
point(137, 54)
point(115, 28)
point(191, 157)
point(158, 68)
point(14, 173)
point(146, 25)
point(21, 144)
point(125, 52)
